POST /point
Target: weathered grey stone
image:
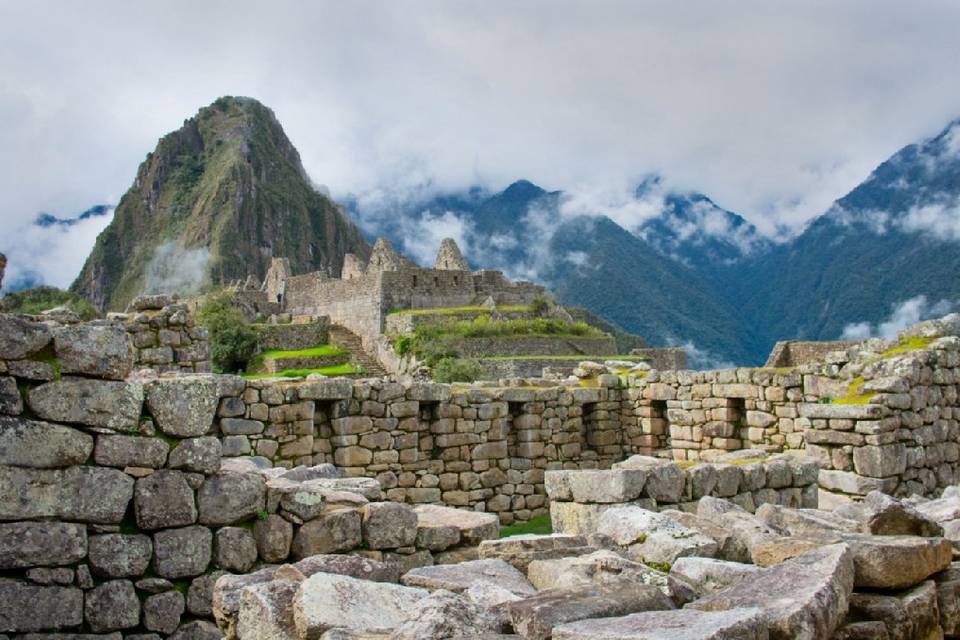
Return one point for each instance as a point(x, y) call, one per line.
point(200, 593)
point(31, 443)
point(350, 565)
point(228, 498)
point(265, 611)
point(804, 598)
point(665, 480)
point(905, 615)
point(273, 536)
point(653, 536)
point(182, 553)
point(10, 401)
point(111, 606)
point(20, 337)
point(843, 411)
point(101, 350)
point(153, 585)
point(800, 522)
point(615, 485)
point(890, 517)
point(574, 518)
point(474, 526)
point(746, 530)
point(28, 607)
point(330, 389)
point(164, 499)
point(536, 616)
point(602, 567)
point(41, 544)
point(304, 502)
point(161, 612)
point(45, 576)
point(183, 407)
point(240, 427)
point(880, 461)
point(389, 525)
point(446, 616)
point(94, 403)
point(327, 600)
point(708, 574)
point(337, 531)
point(462, 576)
point(850, 482)
point(234, 549)
point(896, 562)
point(130, 451)
point(80, 494)
point(521, 550)
point(197, 454)
point(736, 624)
point(197, 630)
point(118, 555)
point(435, 537)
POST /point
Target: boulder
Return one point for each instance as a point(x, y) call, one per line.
point(805, 598)
point(604, 486)
point(800, 522)
point(197, 630)
point(162, 611)
point(707, 575)
point(729, 546)
point(535, 617)
point(446, 616)
point(771, 552)
point(521, 550)
point(333, 532)
point(574, 518)
point(230, 498)
point(100, 350)
point(227, 591)
point(896, 562)
point(491, 597)
point(888, 516)
point(201, 455)
point(665, 480)
point(904, 616)
point(462, 576)
point(265, 610)
point(735, 624)
point(350, 565)
point(79, 494)
point(602, 567)
point(325, 601)
point(111, 606)
point(653, 537)
point(31, 443)
point(28, 607)
point(200, 594)
point(941, 510)
point(164, 499)
point(10, 401)
point(119, 555)
point(304, 503)
point(41, 544)
point(234, 549)
point(20, 337)
point(183, 407)
point(182, 553)
point(474, 526)
point(745, 529)
point(388, 525)
point(130, 451)
point(273, 536)
point(93, 403)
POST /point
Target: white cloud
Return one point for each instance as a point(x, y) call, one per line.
point(701, 359)
point(942, 221)
point(773, 110)
point(174, 269)
point(903, 315)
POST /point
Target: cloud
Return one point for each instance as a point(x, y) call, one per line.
point(174, 269)
point(942, 221)
point(773, 110)
point(903, 315)
point(51, 255)
point(700, 359)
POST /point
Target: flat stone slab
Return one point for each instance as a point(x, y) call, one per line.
point(462, 576)
point(474, 526)
point(520, 551)
point(589, 486)
point(805, 598)
point(654, 536)
point(843, 411)
point(687, 624)
point(708, 574)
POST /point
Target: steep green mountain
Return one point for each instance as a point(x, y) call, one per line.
point(213, 203)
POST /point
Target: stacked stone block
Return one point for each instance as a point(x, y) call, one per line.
point(165, 336)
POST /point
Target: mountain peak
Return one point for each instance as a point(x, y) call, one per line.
point(523, 189)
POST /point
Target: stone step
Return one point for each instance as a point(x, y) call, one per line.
point(346, 339)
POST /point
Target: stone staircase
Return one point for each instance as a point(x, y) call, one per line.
point(346, 339)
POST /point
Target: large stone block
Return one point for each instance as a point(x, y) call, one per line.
point(230, 498)
point(687, 624)
point(843, 411)
point(112, 606)
point(234, 549)
point(164, 499)
point(20, 337)
point(474, 526)
point(332, 389)
point(101, 350)
point(41, 544)
point(334, 532)
point(117, 555)
point(652, 536)
point(81, 494)
point(592, 486)
point(130, 451)
point(27, 607)
point(182, 553)
point(10, 401)
point(94, 403)
point(389, 525)
point(31, 443)
point(201, 455)
point(184, 407)
point(880, 461)
point(162, 611)
point(461, 576)
point(273, 536)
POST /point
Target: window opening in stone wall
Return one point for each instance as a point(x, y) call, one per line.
point(739, 418)
point(436, 281)
point(414, 280)
point(659, 425)
point(587, 430)
point(456, 280)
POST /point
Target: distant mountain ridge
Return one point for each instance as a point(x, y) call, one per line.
point(49, 220)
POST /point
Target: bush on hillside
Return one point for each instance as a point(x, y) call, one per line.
point(38, 299)
point(233, 342)
point(457, 370)
point(540, 306)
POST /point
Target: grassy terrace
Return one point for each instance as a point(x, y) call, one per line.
point(454, 311)
point(573, 358)
point(319, 350)
point(335, 370)
point(540, 525)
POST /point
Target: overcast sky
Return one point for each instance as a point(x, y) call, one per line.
point(773, 109)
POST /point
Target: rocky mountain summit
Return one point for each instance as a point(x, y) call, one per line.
point(212, 204)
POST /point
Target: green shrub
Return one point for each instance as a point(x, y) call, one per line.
point(403, 344)
point(540, 306)
point(457, 370)
point(38, 299)
point(233, 342)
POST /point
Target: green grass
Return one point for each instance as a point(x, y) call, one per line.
point(540, 525)
point(906, 345)
point(335, 370)
point(853, 395)
point(319, 350)
point(573, 358)
point(453, 311)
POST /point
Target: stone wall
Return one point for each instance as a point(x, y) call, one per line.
point(521, 345)
point(793, 353)
point(292, 336)
point(117, 513)
point(663, 358)
point(165, 336)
